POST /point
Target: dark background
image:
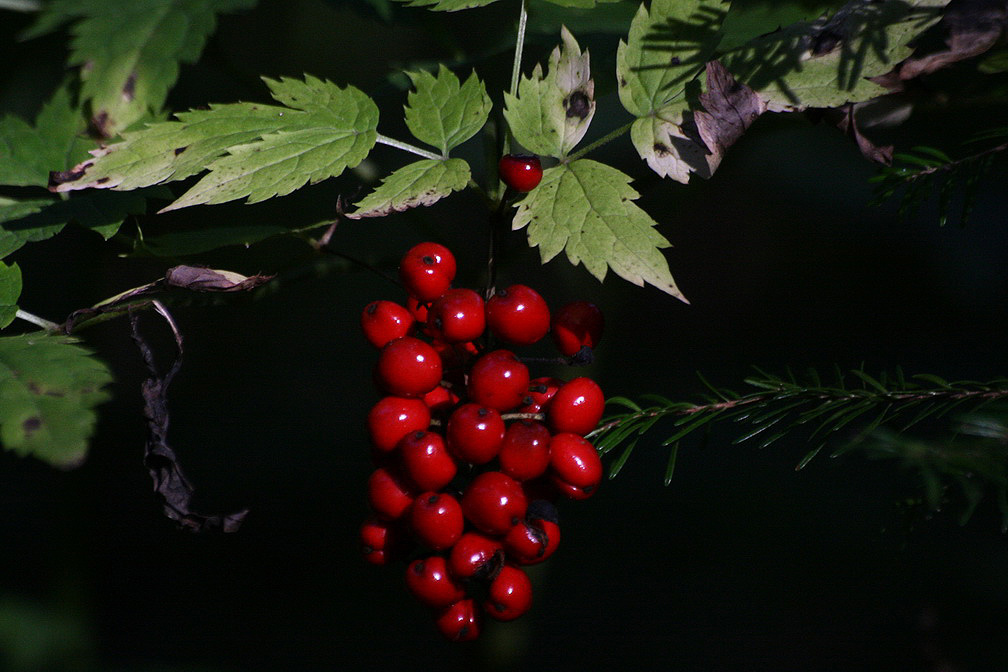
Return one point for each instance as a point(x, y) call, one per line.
point(741, 564)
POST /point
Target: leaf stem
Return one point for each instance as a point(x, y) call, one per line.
point(606, 139)
point(406, 147)
point(516, 68)
point(36, 320)
point(22, 5)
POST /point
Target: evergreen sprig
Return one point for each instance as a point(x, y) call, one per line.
point(875, 411)
point(926, 171)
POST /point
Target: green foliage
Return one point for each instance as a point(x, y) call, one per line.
point(29, 152)
point(924, 171)
point(49, 387)
point(10, 290)
point(129, 52)
point(447, 5)
point(421, 183)
point(857, 410)
point(443, 113)
point(586, 209)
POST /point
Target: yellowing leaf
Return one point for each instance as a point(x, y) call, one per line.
point(419, 184)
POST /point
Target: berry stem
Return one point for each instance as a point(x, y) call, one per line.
point(36, 320)
point(516, 68)
point(406, 147)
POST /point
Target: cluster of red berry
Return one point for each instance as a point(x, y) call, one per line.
point(470, 452)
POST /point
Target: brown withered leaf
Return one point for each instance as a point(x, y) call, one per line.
point(730, 107)
point(170, 482)
point(201, 279)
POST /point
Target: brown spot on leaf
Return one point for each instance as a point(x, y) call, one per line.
point(99, 124)
point(101, 180)
point(31, 425)
point(675, 60)
point(660, 148)
point(58, 177)
point(129, 88)
point(179, 150)
point(577, 105)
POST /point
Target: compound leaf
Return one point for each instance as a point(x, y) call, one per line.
point(447, 5)
point(418, 184)
point(586, 209)
point(551, 113)
point(49, 387)
point(444, 113)
point(10, 290)
point(28, 153)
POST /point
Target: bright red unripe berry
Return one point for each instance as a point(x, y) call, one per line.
point(427, 270)
point(408, 367)
point(498, 380)
point(510, 594)
point(575, 325)
point(576, 407)
point(384, 321)
point(521, 172)
point(518, 315)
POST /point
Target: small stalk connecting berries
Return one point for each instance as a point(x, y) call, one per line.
point(471, 452)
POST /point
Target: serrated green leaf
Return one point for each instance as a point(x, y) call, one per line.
point(100, 211)
point(13, 238)
point(586, 209)
point(49, 387)
point(336, 132)
point(666, 47)
point(443, 113)
point(28, 153)
point(551, 113)
point(828, 62)
point(10, 290)
point(447, 5)
point(419, 184)
point(129, 52)
point(668, 151)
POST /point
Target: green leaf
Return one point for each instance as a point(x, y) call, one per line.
point(581, 4)
point(129, 52)
point(443, 113)
point(661, 141)
point(586, 209)
point(747, 21)
point(419, 184)
point(667, 46)
point(447, 5)
point(13, 238)
point(828, 62)
point(100, 211)
point(10, 290)
point(182, 243)
point(552, 113)
point(48, 388)
point(28, 153)
point(336, 132)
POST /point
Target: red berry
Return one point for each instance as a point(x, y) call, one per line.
point(408, 367)
point(510, 594)
point(541, 391)
point(427, 270)
point(498, 380)
point(576, 407)
point(528, 543)
point(440, 400)
point(429, 581)
point(518, 315)
point(475, 555)
point(457, 316)
point(525, 453)
point(460, 622)
point(384, 321)
point(425, 460)
point(474, 433)
point(392, 418)
point(575, 467)
point(388, 494)
point(436, 520)
point(521, 172)
point(575, 325)
point(494, 502)
point(418, 309)
point(380, 541)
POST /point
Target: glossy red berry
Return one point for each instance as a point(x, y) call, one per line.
point(498, 380)
point(518, 315)
point(440, 400)
point(380, 541)
point(475, 555)
point(524, 454)
point(575, 467)
point(427, 270)
point(521, 172)
point(510, 594)
point(408, 367)
point(388, 494)
point(494, 502)
point(392, 418)
point(426, 461)
point(576, 407)
point(436, 520)
point(457, 316)
point(541, 391)
point(384, 321)
point(474, 433)
point(576, 325)
point(460, 622)
point(429, 581)
point(529, 542)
